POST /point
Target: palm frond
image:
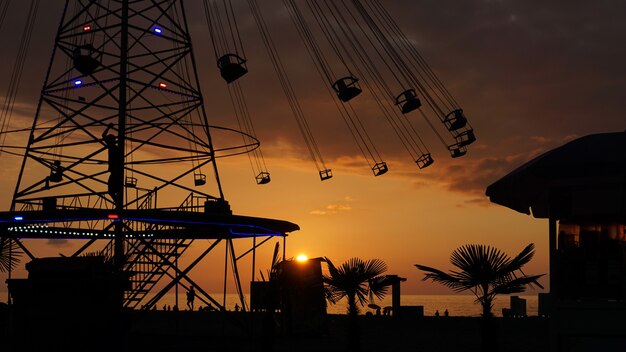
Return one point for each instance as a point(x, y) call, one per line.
point(361, 294)
point(520, 260)
point(374, 267)
point(335, 282)
point(517, 285)
point(478, 262)
point(331, 267)
point(379, 286)
point(436, 275)
point(10, 254)
point(333, 295)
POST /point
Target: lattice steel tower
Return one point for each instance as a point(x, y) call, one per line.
point(119, 121)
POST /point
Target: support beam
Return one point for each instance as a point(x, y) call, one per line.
point(181, 274)
point(552, 232)
point(23, 247)
point(84, 247)
point(254, 247)
point(116, 179)
point(236, 274)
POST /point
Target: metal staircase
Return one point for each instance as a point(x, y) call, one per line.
point(148, 260)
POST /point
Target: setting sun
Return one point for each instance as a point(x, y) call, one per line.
point(302, 258)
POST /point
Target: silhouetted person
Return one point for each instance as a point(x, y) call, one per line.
point(446, 314)
point(191, 295)
point(236, 307)
point(437, 313)
point(175, 308)
point(378, 311)
point(115, 163)
point(56, 174)
point(168, 308)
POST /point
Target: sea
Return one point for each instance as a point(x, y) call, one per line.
point(457, 305)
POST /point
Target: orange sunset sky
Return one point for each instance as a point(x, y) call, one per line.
point(529, 75)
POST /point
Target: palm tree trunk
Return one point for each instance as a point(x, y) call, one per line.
point(486, 309)
point(353, 324)
point(489, 336)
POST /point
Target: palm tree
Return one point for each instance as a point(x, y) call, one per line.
point(486, 272)
point(354, 279)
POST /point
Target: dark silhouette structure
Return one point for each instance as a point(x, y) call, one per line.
point(303, 302)
point(68, 303)
point(584, 205)
point(394, 281)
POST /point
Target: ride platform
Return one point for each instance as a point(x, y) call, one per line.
point(138, 223)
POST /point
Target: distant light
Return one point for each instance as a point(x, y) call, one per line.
point(86, 28)
point(113, 216)
point(302, 258)
point(18, 218)
point(163, 85)
point(78, 82)
point(157, 30)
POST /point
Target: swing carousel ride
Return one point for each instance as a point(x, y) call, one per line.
point(121, 128)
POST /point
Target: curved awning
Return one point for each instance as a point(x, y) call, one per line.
point(582, 179)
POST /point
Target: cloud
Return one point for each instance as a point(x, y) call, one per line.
point(420, 184)
point(332, 209)
point(474, 176)
point(466, 176)
point(338, 207)
point(483, 202)
point(540, 139)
